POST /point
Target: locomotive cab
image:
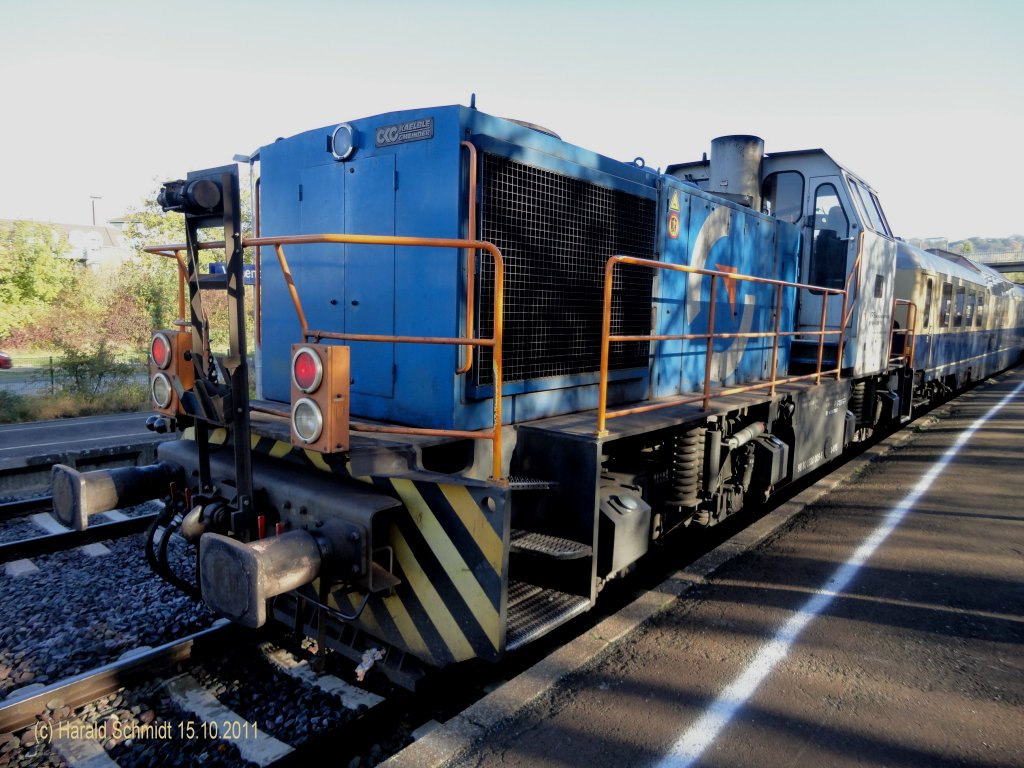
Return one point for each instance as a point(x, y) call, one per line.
point(846, 244)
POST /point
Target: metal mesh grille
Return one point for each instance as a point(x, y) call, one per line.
point(556, 233)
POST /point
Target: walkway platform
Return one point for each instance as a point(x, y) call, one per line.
point(877, 619)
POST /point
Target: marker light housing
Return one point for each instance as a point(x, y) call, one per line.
point(319, 397)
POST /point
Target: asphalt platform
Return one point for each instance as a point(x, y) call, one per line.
point(875, 619)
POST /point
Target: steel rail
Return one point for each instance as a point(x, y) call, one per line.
point(58, 542)
point(17, 712)
point(21, 507)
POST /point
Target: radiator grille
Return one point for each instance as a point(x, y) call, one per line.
point(556, 233)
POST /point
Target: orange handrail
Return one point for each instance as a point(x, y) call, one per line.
point(705, 397)
point(907, 355)
point(495, 342)
point(470, 257)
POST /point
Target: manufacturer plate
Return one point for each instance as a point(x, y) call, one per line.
point(400, 133)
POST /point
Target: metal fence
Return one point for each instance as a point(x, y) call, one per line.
point(49, 374)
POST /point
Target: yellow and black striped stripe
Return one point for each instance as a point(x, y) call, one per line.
point(449, 551)
point(449, 542)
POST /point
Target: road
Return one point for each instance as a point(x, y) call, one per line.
point(21, 443)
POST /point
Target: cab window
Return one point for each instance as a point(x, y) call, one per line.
point(867, 204)
point(947, 297)
point(831, 232)
point(783, 195)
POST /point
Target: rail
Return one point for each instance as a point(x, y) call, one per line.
point(603, 414)
point(495, 342)
point(905, 356)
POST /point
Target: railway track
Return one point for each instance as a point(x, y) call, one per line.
point(48, 544)
point(197, 690)
point(183, 702)
point(21, 507)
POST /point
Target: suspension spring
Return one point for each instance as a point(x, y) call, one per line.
point(687, 464)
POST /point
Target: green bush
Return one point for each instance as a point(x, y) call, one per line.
point(15, 408)
point(91, 373)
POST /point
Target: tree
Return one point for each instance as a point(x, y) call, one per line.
point(33, 272)
point(153, 280)
point(966, 248)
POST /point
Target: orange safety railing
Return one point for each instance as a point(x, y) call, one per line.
point(495, 342)
point(603, 414)
point(909, 334)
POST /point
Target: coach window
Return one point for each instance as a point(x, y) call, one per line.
point(979, 317)
point(783, 195)
point(958, 318)
point(947, 296)
point(969, 310)
point(831, 232)
point(927, 321)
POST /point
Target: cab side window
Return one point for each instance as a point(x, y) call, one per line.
point(783, 195)
point(831, 232)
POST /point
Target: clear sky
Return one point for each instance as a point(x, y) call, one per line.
point(924, 99)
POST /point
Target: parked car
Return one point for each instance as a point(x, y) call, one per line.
point(5, 360)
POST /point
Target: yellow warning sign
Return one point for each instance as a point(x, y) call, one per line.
point(673, 202)
point(673, 225)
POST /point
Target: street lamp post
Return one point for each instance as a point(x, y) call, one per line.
point(94, 198)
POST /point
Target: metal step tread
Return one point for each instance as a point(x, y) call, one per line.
point(519, 483)
point(549, 546)
point(534, 611)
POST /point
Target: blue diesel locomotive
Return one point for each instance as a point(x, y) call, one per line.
point(492, 369)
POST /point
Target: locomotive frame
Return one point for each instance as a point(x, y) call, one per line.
point(663, 359)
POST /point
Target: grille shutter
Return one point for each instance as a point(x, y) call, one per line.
point(556, 233)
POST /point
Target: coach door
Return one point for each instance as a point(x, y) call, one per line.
point(829, 250)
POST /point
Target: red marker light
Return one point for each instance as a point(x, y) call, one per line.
point(307, 371)
point(160, 349)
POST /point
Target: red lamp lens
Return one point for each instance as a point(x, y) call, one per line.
point(161, 351)
point(307, 370)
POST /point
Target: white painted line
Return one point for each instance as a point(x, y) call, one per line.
point(692, 744)
point(17, 568)
point(73, 423)
point(75, 441)
point(254, 744)
point(351, 696)
point(77, 748)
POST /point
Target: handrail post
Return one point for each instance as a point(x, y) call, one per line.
point(821, 335)
point(775, 344)
point(842, 337)
point(182, 271)
point(286, 271)
point(496, 362)
point(606, 329)
point(711, 346)
point(470, 259)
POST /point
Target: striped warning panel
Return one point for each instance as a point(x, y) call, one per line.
point(449, 546)
point(449, 552)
